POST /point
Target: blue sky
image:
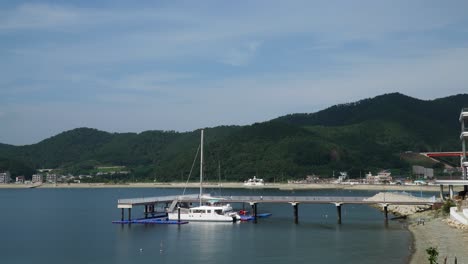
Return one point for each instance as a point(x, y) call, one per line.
point(131, 66)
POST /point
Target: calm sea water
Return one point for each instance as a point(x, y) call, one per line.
point(74, 226)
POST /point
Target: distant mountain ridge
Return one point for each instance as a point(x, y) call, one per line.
point(364, 135)
point(394, 106)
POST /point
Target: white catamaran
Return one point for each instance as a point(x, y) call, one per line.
point(210, 209)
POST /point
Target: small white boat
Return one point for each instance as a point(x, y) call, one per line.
point(254, 182)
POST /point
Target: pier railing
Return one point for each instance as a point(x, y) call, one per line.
point(290, 199)
point(147, 200)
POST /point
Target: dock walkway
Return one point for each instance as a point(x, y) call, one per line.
point(129, 203)
point(338, 201)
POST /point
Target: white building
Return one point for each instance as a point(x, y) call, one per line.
point(37, 178)
point(381, 178)
point(20, 179)
point(51, 178)
point(421, 172)
point(5, 177)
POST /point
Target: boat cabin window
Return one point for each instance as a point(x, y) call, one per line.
point(198, 211)
point(209, 211)
point(219, 211)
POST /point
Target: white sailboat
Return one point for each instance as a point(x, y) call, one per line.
point(210, 209)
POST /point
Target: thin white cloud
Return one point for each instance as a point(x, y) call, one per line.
point(242, 55)
point(137, 63)
point(436, 75)
point(177, 34)
point(45, 16)
point(38, 16)
point(150, 81)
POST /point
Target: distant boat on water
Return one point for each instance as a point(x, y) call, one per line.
point(254, 182)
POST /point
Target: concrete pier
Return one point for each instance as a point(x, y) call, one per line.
point(450, 184)
point(338, 201)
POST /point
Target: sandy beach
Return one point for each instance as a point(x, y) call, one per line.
point(280, 186)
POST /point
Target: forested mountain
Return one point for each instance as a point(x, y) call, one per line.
point(366, 135)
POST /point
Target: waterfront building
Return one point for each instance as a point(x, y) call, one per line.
point(51, 178)
point(423, 173)
point(459, 212)
point(37, 178)
point(5, 177)
point(20, 179)
point(381, 178)
point(464, 136)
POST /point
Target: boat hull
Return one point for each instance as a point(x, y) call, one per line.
point(202, 218)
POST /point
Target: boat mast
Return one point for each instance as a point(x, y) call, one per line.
point(201, 167)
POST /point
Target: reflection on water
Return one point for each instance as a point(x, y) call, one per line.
point(74, 226)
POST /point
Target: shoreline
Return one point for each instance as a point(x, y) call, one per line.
point(232, 185)
point(438, 232)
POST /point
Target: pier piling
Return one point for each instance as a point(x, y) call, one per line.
point(338, 210)
point(122, 214)
point(296, 212)
point(386, 211)
point(178, 214)
point(129, 214)
point(254, 211)
point(146, 211)
point(442, 192)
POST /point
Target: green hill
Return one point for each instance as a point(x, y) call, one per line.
point(366, 135)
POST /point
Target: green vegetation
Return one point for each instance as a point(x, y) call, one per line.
point(368, 135)
point(433, 255)
point(446, 206)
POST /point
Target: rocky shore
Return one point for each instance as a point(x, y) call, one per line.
point(401, 210)
point(430, 228)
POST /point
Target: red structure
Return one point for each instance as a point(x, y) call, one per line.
point(442, 154)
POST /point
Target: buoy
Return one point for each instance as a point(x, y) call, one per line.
point(141, 250)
